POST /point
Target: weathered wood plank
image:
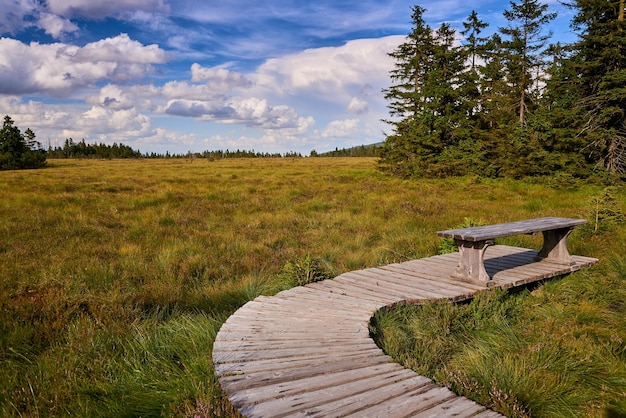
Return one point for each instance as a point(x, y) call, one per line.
point(456, 407)
point(351, 405)
point(530, 226)
point(408, 404)
point(268, 344)
point(442, 280)
point(353, 292)
point(252, 354)
point(414, 285)
point(324, 399)
point(248, 379)
point(247, 397)
point(310, 362)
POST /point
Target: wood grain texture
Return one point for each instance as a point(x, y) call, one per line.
point(530, 226)
point(307, 351)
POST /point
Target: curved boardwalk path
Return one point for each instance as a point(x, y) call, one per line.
point(307, 351)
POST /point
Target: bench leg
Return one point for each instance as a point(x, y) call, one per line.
point(471, 266)
point(555, 247)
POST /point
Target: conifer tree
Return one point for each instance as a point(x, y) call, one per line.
point(16, 151)
point(600, 65)
point(475, 46)
point(413, 60)
point(524, 44)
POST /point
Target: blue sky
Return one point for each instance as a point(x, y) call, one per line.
point(194, 75)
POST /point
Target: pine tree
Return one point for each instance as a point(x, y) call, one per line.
point(600, 65)
point(17, 152)
point(524, 45)
point(412, 62)
point(405, 98)
point(475, 46)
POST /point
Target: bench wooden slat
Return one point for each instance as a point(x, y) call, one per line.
point(474, 241)
point(530, 226)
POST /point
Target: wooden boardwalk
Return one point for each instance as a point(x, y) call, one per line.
point(307, 351)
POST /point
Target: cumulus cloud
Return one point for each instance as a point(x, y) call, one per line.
point(331, 70)
point(17, 15)
point(59, 69)
point(357, 106)
point(341, 128)
point(218, 77)
point(100, 120)
point(249, 111)
point(55, 26)
point(118, 97)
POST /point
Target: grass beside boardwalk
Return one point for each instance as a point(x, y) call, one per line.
point(115, 276)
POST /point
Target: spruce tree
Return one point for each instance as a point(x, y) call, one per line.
point(600, 65)
point(16, 151)
point(413, 60)
point(475, 45)
point(524, 46)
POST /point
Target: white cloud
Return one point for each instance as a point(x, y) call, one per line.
point(251, 111)
point(99, 120)
point(331, 71)
point(184, 90)
point(341, 128)
point(120, 49)
point(116, 97)
point(59, 69)
point(357, 106)
point(218, 77)
point(55, 26)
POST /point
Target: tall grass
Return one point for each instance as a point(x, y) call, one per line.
point(555, 351)
point(116, 275)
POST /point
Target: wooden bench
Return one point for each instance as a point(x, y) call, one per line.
point(474, 241)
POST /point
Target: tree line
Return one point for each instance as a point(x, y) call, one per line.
point(81, 149)
point(510, 104)
point(19, 150)
point(372, 150)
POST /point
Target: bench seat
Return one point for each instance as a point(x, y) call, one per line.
point(474, 241)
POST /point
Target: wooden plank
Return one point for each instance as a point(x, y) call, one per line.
point(456, 407)
point(351, 405)
point(432, 289)
point(407, 404)
point(247, 397)
point(530, 226)
point(302, 335)
point(443, 279)
point(395, 293)
point(353, 292)
point(323, 344)
point(320, 401)
point(296, 318)
point(319, 308)
point(343, 301)
point(249, 380)
point(311, 361)
point(408, 284)
point(252, 354)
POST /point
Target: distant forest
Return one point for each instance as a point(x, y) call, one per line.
point(81, 149)
point(510, 104)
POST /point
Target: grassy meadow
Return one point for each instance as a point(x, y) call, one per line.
point(115, 277)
